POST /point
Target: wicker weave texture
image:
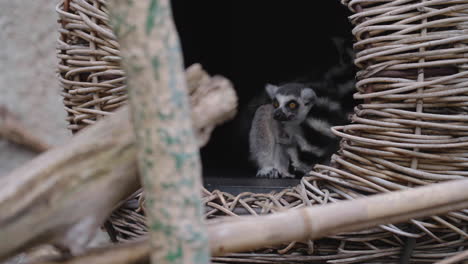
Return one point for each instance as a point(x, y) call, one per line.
point(89, 63)
point(411, 130)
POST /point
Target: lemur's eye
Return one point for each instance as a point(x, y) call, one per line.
point(292, 105)
point(275, 103)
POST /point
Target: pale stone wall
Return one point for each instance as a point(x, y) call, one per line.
point(28, 84)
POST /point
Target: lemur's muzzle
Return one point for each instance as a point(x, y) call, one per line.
point(279, 115)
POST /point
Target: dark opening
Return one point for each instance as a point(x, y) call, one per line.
point(253, 43)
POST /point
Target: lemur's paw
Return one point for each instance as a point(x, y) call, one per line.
point(299, 170)
point(287, 175)
point(268, 172)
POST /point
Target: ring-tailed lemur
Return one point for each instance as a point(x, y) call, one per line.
point(292, 133)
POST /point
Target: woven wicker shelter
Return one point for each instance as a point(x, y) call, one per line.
point(411, 130)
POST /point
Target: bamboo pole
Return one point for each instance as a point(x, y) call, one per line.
point(168, 157)
point(249, 232)
point(67, 192)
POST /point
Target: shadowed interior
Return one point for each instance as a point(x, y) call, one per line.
point(253, 43)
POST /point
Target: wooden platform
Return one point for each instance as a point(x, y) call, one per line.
point(256, 185)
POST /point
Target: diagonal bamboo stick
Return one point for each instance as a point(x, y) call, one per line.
point(168, 157)
point(321, 221)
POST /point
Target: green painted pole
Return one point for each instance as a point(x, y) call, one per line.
point(168, 155)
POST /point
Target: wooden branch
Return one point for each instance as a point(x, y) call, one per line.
point(200, 87)
point(249, 232)
point(129, 253)
point(13, 130)
point(213, 101)
point(209, 107)
point(65, 194)
point(168, 157)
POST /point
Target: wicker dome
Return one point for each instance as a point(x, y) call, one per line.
point(411, 130)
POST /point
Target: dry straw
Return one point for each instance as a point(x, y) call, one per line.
point(411, 130)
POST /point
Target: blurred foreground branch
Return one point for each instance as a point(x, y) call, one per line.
point(65, 194)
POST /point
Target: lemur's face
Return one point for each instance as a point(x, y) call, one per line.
point(291, 102)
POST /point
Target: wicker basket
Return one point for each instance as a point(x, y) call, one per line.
point(89, 63)
point(411, 130)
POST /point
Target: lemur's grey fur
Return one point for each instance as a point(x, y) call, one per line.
point(285, 143)
point(276, 134)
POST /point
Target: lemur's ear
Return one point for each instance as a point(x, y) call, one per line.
point(308, 95)
point(271, 90)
